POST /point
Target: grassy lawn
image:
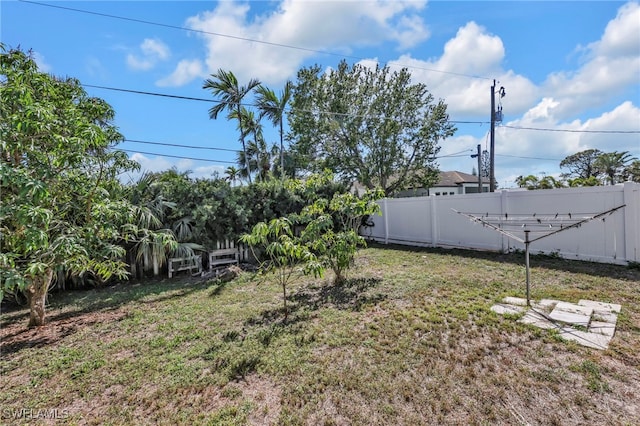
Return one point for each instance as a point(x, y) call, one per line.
point(409, 339)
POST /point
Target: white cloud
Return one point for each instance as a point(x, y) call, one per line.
point(43, 66)
point(152, 51)
point(612, 65)
point(160, 163)
point(332, 26)
point(95, 68)
point(185, 71)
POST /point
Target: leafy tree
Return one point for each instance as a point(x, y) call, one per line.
point(632, 171)
point(284, 251)
point(157, 237)
point(578, 182)
point(613, 165)
point(224, 86)
point(529, 182)
point(61, 204)
point(581, 164)
point(332, 228)
point(272, 107)
point(370, 125)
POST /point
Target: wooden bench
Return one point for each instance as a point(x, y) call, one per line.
point(190, 264)
point(222, 257)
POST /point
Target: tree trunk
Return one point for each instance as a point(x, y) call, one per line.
point(156, 266)
point(37, 297)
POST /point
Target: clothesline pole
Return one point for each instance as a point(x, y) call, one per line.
point(526, 262)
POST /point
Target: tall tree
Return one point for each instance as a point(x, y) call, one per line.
point(581, 164)
point(368, 124)
point(632, 171)
point(248, 125)
point(224, 86)
point(613, 165)
point(273, 107)
point(61, 204)
point(232, 174)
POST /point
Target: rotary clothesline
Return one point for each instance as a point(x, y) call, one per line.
point(545, 224)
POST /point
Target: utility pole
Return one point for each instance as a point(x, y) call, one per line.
point(494, 117)
point(492, 136)
point(479, 155)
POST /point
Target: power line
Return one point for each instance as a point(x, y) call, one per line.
point(191, 98)
point(268, 43)
point(176, 156)
point(542, 129)
point(455, 154)
point(181, 146)
point(528, 158)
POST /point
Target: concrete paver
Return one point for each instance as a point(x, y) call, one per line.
point(598, 318)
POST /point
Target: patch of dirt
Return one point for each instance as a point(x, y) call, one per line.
point(16, 336)
point(265, 396)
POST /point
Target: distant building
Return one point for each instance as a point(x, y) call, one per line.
point(449, 183)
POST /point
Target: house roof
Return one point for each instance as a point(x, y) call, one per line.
point(455, 178)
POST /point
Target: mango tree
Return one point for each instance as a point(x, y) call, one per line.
point(284, 252)
point(61, 204)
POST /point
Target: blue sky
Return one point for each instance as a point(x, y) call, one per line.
point(571, 66)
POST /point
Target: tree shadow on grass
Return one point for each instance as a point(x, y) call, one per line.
point(92, 306)
point(351, 294)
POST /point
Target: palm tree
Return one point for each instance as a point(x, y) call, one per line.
point(232, 174)
point(632, 171)
point(529, 182)
point(248, 124)
point(224, 86)
point(272, 107)
point(612, 164)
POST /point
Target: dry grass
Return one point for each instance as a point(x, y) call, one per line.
point(409, 339)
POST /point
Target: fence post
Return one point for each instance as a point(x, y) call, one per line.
point(504, 209)
point(435, 234)
point(385, 217)
point(631, 212)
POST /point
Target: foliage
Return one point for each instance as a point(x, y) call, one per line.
point(331, 229)
point(532, 182)
point(61, 200)
point(613, 165)
point(581, 164)
point(367, 124)
point(632, 171)
point(272, 106)
point(225, 87)
point(284, 252)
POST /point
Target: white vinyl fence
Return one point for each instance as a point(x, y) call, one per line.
point(431, 221)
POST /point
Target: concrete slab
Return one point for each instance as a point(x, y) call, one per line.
point(590, 340)
point(573, 308)
point(570, 318)
point(605, 328)
point(548, 303)
point(600, 306)
point(598, 318)
point(507, 309)
point(537, 320)
point(515, 301)
point(605, 316)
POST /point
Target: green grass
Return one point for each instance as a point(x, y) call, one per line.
point(408, 339)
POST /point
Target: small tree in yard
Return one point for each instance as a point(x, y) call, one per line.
point(332, 228)
point(284, 252)
point(61, 203)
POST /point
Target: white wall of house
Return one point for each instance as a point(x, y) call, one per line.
point(430, 221)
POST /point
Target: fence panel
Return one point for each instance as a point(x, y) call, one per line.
point(431, 221)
